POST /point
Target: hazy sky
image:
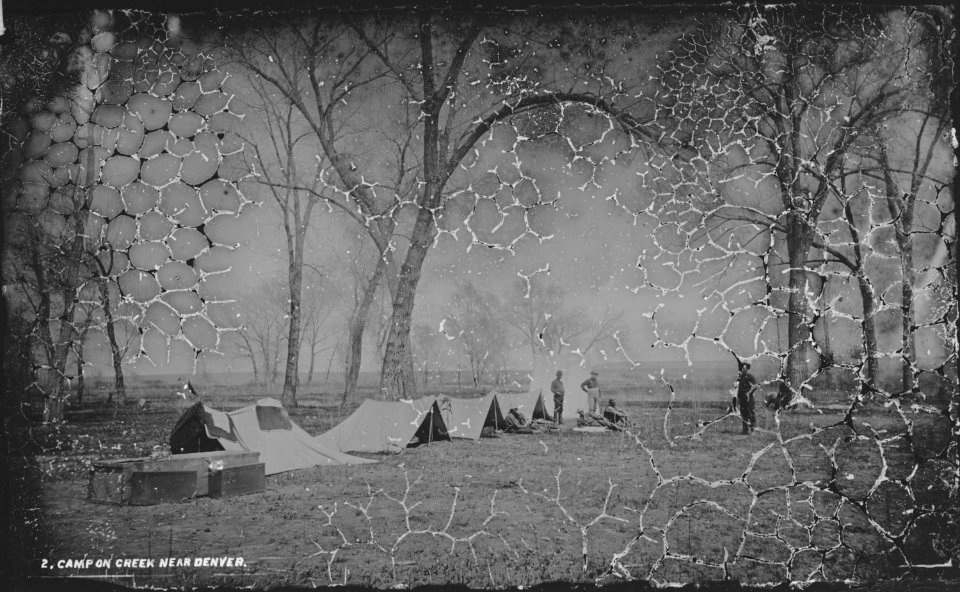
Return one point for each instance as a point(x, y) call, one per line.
point(588, 236)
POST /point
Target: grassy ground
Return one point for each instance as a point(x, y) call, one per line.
point(682, 498)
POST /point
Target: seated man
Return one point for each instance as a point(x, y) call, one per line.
point(614, 414)
point(596, 420)
point(514, 421)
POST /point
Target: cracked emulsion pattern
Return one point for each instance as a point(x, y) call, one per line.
point(831, 521)
point(142, 153)
point(147, 143)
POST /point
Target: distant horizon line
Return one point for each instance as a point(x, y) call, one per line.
point(248, 375)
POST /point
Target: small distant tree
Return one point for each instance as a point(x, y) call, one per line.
point(263, 329)
point(476, 322)
point(429, 345)
point(317, 313)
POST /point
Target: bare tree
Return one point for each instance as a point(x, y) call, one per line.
point(103, 263)
point(46, 261)
point(773, 101)
point(538, 312)
point(475, 319)
point(317, 313)
point(365, 285)
point(429, 345)
point(84, 323)
point(293, 183)
point(609, 329)
point(262, 334)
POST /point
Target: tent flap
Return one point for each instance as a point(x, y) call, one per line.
point(387, 426)
point(466, 418)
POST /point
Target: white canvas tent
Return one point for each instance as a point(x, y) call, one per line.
point(531, 404)
point(466, 418)
point(387, 426)
point(264, 427)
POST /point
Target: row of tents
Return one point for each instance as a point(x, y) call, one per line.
point(375, 427)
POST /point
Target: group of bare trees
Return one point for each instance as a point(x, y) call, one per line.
point(396, 108)
point(825, 132)
point(57, 266)
point(819, 133)
point(264, 337)
point(533, 315)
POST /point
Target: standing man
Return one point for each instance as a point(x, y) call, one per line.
point(591, 386)
point(746, 385)
point(556, 387)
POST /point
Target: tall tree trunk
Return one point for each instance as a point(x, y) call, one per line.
point(901, 211)
point(868, 300)
point(355, 331)
point(397, 379)
point(869, 332)
point(117, 355)
point(908, 340)
point(326, 376)
point(955, 399)
point(827, 357)
point(291, 378)
point(313, 361)
point(81, 385)
point(798, 333)
point(53, 406)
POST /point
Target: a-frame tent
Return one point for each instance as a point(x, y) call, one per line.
point(387, 426)
point(264, 427)
point(530, 404)
point(466, 418)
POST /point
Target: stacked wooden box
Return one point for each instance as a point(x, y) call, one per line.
point(146, 481)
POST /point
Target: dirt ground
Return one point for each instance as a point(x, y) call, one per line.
point(677, 500)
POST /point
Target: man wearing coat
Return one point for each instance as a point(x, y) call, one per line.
point(556, 387)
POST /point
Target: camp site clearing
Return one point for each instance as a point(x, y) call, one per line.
point(512, 510)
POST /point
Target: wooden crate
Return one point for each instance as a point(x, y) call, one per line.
point(112, 481)
point(235, 481)
point(156, 487)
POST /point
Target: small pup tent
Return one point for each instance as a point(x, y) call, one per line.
point(466, 418)
point(529, 404)
point(264, 427)
point(387, 426)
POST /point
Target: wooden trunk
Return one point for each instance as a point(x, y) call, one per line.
point(153, 480)
point(235, 481)
point(156, 487)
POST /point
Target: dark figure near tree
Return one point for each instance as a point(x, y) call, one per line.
point(746, 385)
point(556, 387)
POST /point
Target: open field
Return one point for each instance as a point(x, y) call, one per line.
point(680, 499)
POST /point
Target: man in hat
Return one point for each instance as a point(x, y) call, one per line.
point(614, 414)
point(746, 385)
point(591, 386)
point(556, 387)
